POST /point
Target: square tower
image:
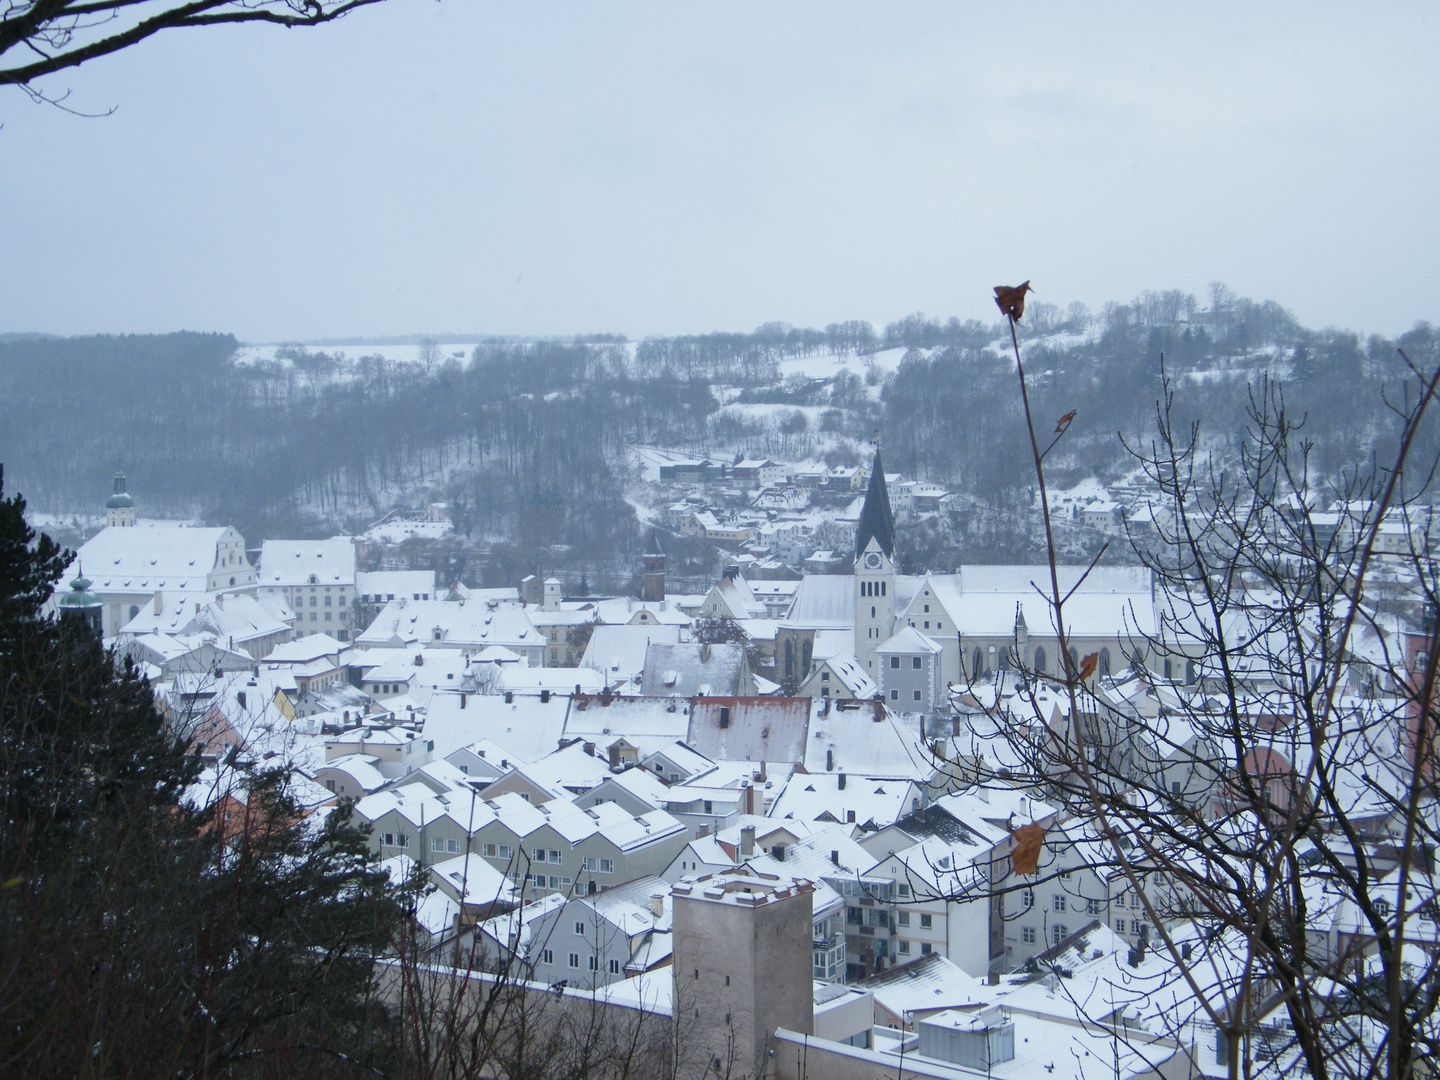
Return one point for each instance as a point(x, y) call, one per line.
point(742, 963)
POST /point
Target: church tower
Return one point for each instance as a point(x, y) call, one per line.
point(654, 590)
point(120, 507)
point(874, 571)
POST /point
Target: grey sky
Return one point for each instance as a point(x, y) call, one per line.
point(557, 168)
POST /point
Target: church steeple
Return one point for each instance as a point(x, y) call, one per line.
point(877, 521)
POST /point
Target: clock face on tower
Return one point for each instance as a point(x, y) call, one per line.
point(872, 560)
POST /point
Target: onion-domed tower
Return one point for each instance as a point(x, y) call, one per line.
point(120, 507)
point(81, 603)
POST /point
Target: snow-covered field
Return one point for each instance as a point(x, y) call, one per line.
point(250, 355)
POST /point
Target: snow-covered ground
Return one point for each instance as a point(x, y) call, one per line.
point(250, 355)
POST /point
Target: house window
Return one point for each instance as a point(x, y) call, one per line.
point(925, 948)
point(926, 921)
point(607, 866)
point(927, 609)
point(1027, 935)
point(580, 929)
point(1058, 933)
point(1094, 907)
point(539, 881)
point(555, 857)
point(895, 662)
point(902, 918)
point(1027, 898)
point(614, 967)
point(575, 960)
point(538, 855)
point(1134, 901)
point(1135, 926)
point(489, 850)
point(1058, 902)
point(902, 889)
point(548, 956)
point(387, 839)
point(505, 851)
point(559, 884)
point(894, 695)
point(917, 694)
point(594, 963)
point(1119, 926)
point(904, 948)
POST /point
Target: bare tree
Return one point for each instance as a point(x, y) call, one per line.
point(41, 37)
point(1260, 784)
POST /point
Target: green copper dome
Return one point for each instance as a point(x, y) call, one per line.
point(80, 595)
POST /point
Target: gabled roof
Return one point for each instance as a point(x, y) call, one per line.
point(877, 520)
point(908, 641)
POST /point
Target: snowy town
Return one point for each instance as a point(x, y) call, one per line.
point(836, 756)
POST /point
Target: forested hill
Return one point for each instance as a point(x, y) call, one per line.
point(529, 440)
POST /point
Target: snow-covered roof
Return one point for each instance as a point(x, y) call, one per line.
point(691, 668)
point(875, 801)
point(870, 738)
point(1113, 601)
point(618, 652)
point(823, 601)
point(147, 559)
point(908, 641)
point(293, 562)
point(306, 650)
point(527, 727)
point(750, 728)
point(458, 623)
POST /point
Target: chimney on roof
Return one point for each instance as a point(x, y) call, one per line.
point(778, 850)
point(590, 748)
point(750, 799)
point(509, 697)
point(657, 904)
point(850, 817)
point(842, 781)
point(747, 839)
point(159, 602)
point(544, 697)
point(829, 759)
point(462, 700)
point(835, 856)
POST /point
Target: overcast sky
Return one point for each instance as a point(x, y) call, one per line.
point(555, 168)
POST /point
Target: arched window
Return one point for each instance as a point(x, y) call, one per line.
point(134, 611)
point(1104, 663)
point(1189, 672)
point(789, 658)
point(1168, 675)
point(1005, 658)
point(882, 588)
point(977, 664)
point(805, 656)
point(1074, 659)
point(1040, 658)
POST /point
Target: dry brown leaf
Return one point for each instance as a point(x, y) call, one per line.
point(1029, 839)
point(1010, 299)
point(1088, 665)
point(1064, 422)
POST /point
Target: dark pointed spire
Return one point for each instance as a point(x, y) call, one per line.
point(876, 518)
point(653, 547)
